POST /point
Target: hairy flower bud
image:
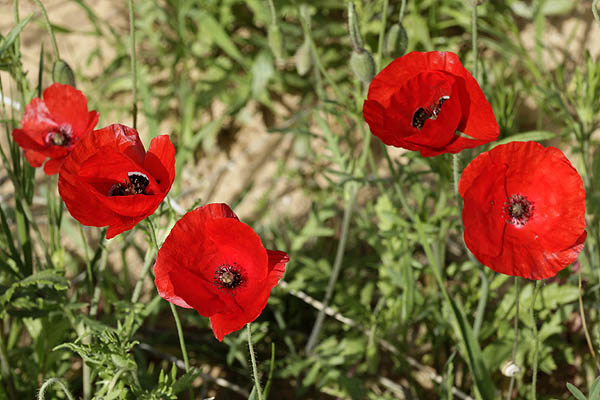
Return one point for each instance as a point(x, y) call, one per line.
point(303, 58)
point(396, 41)
point(363, 65)
point(62, 73)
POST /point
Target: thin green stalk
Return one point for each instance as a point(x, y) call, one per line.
point(595, 11)
point(97, 288)
point(5, 367)
point(148, 258)
point(516, 338)
point(273, 13)
point(253, 361)
point(86, 254)
point(402, 8)
point(63, 386)
point(49, 28)
point(381, 35)
point(588, 339)
point(536, 342)
point(481, 304)
point(133, 61)
point(337, 264)
point(186, 360)
point(455, 173)
point(474, 38)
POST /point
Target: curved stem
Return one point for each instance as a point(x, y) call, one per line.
point(337, 264)
point(516, 338)
point(148, 258)
point(49, 28)
point(595, 11)
point(536, 344)
point(584, 323)
point(253, 361)
point(402, 8)
point(133, 61)
point(381, 35)
point(186, 360)
point(481, 304)
point(63, 386)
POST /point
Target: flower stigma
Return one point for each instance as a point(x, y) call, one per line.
point(60, 137)
point(137, 185)
point(228, 277)
point(517, 210)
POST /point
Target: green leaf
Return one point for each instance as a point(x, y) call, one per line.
point(576, 392)
point(595, 389)
point(557, 7)
point(526, 136)
point(13, 34)
point(211, 27)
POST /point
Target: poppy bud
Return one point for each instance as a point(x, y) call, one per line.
point(276, 42)
point(62, 73)
point(396, 41)
point(303, 58)
point(363, 65)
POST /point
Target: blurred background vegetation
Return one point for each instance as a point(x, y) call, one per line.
point(266, 115)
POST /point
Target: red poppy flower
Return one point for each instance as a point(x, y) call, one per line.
point(421, 100)
point(110, 180)
point(217, 265)
point(524, 212)
point(53, 125)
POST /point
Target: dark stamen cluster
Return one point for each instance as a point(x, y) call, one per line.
point(228, 277)
point(431, 112)
point(517, 210)
point(137, 185)
point(60, 137)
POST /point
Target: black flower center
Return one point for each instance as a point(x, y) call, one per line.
point(62, 136)
point(137, 185)
point(430, 112)
point(229, 277)
point(517, 210)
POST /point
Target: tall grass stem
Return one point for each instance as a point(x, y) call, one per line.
point(49, 28)
point(535, 341)
point(133, 61)
point(516, 338)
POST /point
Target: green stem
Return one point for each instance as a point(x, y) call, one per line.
point(186, 360)
point(63, 386)
point(273, 13)
point(595, 11)
point(481, 304)
point(455, 173)
point(516, 338)
point(536, 340)
point(49, 28)
point(5, 367)
point(337, 264)
point(98, 288)
point(381, 35)
point(588, 339)
point(148, 258)
point(253, 361)
point(86, 254)
point(474, 38)
point(402, 8)
point(133, 61)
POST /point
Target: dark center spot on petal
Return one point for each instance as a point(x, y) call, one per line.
point(229, 277)
point(137, 185)
point(430, 112)
point(61, 136)
point(517, 210)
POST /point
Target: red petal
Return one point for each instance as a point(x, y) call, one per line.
point(34, 158)
point(53, 165)
point(160, 161)
point(26, 142)
point(68, 105)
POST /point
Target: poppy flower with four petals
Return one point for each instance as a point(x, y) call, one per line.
point(524, 210)
point(52, 126)
point(421, 100)
point(110, 180)
point(217, 265)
